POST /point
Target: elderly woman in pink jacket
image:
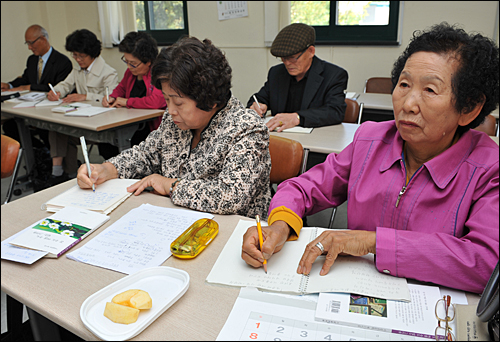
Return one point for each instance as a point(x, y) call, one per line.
point(135, 89)
point(423, 190)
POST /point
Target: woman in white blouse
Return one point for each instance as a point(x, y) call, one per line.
point(86, 82)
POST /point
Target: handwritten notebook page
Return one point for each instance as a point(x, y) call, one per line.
point(139, 239)
point(348, 274)
point(107, 196)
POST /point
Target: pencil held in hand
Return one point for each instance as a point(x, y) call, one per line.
point(261, 239)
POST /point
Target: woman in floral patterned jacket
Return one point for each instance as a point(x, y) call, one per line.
point(209, 153)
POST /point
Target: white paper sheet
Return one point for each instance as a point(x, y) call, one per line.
point(348, 274)
point(106, 197)
point(296, 129)
point(89, 111)
point(139, 239)
point(18, 254)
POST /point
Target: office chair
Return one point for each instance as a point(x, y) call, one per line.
point(353, 111)
point(488, 126)
point(353, 114)
point(286, 159)
point(380, 85)
point(11, 158)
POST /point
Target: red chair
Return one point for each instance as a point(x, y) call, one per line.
point(11, 158)
point(380, 85)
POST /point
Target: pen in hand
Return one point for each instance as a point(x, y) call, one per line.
point(52, 88)
point(261, 240)
point(86, 156)
point(258, 104)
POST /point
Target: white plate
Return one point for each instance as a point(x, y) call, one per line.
point(165, 286)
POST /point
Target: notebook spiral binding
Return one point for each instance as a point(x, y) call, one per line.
point(304, 281)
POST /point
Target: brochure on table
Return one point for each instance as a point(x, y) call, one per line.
point(59, 232)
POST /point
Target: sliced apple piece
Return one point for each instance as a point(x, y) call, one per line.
point(141, 300)
point(124, 297)
point(120, 313)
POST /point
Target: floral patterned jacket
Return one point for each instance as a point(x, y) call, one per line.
point(227, 172)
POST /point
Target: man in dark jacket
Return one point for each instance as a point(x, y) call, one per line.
point(44, 66)
point(304, 90)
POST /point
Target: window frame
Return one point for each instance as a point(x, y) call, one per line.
point(165, 37)
point(361, 34)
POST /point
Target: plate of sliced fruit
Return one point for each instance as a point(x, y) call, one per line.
point(126, 307)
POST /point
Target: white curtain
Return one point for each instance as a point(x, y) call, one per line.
point(116, 19)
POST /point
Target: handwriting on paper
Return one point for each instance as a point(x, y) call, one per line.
point(139, 239)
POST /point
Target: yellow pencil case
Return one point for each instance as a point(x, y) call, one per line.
point(194, 239)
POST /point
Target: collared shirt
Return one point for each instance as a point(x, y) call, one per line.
point(45, 58)
point(89, 68)
point(442, 227)
point(92, 82)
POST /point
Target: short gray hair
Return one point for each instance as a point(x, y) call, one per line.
point(44, 33)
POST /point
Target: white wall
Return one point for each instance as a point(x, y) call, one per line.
point(241, 39)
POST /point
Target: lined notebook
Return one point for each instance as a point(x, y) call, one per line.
point(58, 233)
point(348, 274)
point(107, 196)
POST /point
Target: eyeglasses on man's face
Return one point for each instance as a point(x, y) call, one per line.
point(445, 313)
point(292, 59)
point(129, 63)
point(32, 42)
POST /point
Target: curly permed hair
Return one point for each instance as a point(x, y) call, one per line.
point(476, 79)
point(83, 41)
point(140, 45)
point(199, 70)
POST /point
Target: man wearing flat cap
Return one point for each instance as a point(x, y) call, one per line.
point(304, 90)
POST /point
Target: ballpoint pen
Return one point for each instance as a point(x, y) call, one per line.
point(255, 98)
point(52, 88)
point(261, 240)
point(86, 156)
point(107, 94)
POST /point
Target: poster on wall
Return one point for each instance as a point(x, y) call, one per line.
point(232, 9)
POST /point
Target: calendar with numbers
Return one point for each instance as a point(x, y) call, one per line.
point(263, 316)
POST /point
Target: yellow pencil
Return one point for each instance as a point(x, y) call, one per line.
point(261, 240)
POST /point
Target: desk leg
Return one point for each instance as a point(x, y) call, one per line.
point(25, 137)
point(43, 328)
point(124, 135)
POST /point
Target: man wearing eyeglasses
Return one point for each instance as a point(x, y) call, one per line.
point(44, 66)
point(304, 90)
